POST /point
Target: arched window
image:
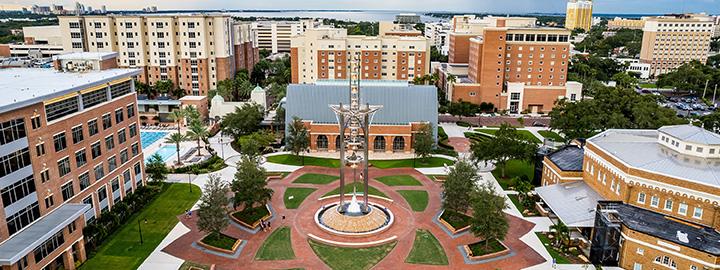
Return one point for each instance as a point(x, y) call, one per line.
point(379, 144)
point(399, 144)
point(666, 261)
point(337, 143)
point(322, 142)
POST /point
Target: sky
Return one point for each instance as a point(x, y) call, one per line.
point(490, 6)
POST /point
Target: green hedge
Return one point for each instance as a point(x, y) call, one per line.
point(212, 164)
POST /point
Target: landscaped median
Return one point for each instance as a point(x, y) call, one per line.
point(431, 162)
point(278, 246)
point(485, 250)
point(426, 250)
point(251, 216)
point(220, 243)
point(351, 258)
point(455, 222)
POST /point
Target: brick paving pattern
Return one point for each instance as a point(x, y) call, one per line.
point(301, 221)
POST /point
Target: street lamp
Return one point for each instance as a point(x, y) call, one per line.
point(140, 230)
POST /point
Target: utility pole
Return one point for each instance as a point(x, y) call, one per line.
point(715, 92)
point(706, 85)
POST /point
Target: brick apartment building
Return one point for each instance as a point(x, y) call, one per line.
point(323, 53)
point(70, 151)
point(195, 51)
point(510, 63)
point(640, 199)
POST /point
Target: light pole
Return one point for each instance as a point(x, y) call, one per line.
point(140, 230)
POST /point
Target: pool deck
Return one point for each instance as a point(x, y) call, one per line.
point(154, 147)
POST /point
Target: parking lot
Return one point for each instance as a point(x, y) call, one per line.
point(689, 106)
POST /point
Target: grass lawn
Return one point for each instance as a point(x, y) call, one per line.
point(418, 199)
point(251, 215)
point(313, 178)
point(559, 258)
point(123, 250)
point(455, 219)
point(187, 264)
point(648, 85)
point(382, 164)
point(350, 258)
point(219, 240)
point(360, 187)
point(480, 248)
point(551, 135)
point(277, 246)
point(399, 180)
point(298, 194)
point(524, 133)
point(426, 250)
point(514, 168)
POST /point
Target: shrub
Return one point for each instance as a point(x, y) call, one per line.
point(213, 164)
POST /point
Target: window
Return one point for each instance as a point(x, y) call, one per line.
point(641, 198)
point(35, 122)
point(84, 181)
point(637, 266)
point(80, 158)
point(682, 209)
point(121, 136)
point(640, 251)
point(99, 172)
point(92, 127)
point(23, 218)
point(40, 149)
point(668, 205)
point(63, 166)
point(49, 202)
point(119, 116)
point(133, 130)
point(59, 142)
point(12, 130)
point(123, 156)
point(90, 99)
point(77, 134)
point(654, 201)
point(67, 191)
point(17, 190)
point(665, 260)
point(95, 150)
point(109, 143)
point(135, 149)
point(112, 164)
point(49, 246)
point(698, 213)
point(45, 176)
point(115, 184)
point(14, 161)
point(107, 122)
point(130, 110)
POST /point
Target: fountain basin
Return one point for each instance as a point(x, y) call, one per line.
point(331, 220)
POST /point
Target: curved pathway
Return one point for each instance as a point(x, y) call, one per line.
point(302, 223)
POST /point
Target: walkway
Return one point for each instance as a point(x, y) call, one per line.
point(301, 222)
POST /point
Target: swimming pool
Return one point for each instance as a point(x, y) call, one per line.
point(149, 137)
point(166, 152)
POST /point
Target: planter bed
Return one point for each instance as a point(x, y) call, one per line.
point(454, 221)
point(477, 251)
point(220, 243)
point(251, 217)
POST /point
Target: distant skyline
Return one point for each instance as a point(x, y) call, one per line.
point(490, 6)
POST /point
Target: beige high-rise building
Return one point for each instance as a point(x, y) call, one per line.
point(670, 41)
point(323, 53)
point(622, 23)
point(195, 51)
point(274, 36)
point(579, 15)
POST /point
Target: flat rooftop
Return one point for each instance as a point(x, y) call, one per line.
point(25, 86)
point(640, 149)
point(86, 56)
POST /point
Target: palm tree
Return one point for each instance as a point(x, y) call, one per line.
point(177, 138)
point(177, 116)
point(562, 234)
point(192, 113)
point(197, 132)
point(523, 188)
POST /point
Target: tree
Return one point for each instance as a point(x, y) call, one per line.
point(197, 132)
point(279, 119)
point(177, 116)
point(177, 138)
point(244, 120)
point(610, 108)
point(212, 212)
point(523, 187)
point(562, 234)
point(436, 56)
point(192, 113)
point(298, 138)
point(711, 122)
point(624, 80)
point(250, 184)
point(424, 142)
point(164, 87)
point(690, 77)
point(506, 145)
point(252, 145)
point(458, 187)
point(489, 222)
point(155, 168)
point(264, 53)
